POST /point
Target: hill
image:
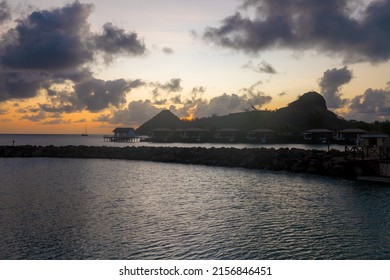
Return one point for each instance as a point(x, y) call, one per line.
point(307, 112)
point(164, 119)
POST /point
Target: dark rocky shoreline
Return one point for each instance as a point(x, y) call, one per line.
point(332, 163)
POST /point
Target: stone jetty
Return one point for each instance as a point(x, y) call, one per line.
point(331, 163)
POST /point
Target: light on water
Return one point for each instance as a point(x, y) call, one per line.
point(112, 209)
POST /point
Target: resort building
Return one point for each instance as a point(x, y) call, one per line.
point(374, 138)
point(124, 132)
point(351, 136)
point(318, 136)
point(227, 135)
point(261, 135)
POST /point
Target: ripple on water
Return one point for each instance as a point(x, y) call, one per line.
point(108, 209)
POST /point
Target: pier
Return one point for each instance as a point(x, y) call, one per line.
point(124, 139)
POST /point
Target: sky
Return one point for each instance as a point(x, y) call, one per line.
point(107, 64)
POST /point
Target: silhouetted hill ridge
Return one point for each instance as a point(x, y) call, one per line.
point(307, 112)
point(164, 119)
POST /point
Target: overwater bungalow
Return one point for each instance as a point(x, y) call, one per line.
point(162, 135)
point(227, 135)
point(318, 136)
point(194, 135)
point(350, 136)
point(261, 135)
point(122, 134)
point(374, 138)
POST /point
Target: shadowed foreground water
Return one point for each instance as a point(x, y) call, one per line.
point(112, 209)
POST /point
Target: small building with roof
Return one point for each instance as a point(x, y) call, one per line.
point(261, 135)
point(227, 135)
point(162, 135)
point(124, 132)
point(318, 136)
point(194, 135)
point(351, 136)
point(374, 138)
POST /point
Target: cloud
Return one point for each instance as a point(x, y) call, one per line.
point(92, 95)
point(335, 27)
point(56, 47)
point(174, 85)
point(168, 50)
point(50, 40)
point(35, 118)
point(115, 41)
point(331, 83)
point(370, 106)
point(263, 67)
point(5, 11)
point(135, 114)
point(224, 104)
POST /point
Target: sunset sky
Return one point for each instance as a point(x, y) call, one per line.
point(118, 63)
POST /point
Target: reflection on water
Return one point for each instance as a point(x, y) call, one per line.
point(109, 209)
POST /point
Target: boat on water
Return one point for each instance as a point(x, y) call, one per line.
point(85, 131)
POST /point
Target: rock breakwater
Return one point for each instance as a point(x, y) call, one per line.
point(332, 163)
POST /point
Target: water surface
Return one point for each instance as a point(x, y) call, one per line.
point(112, 209)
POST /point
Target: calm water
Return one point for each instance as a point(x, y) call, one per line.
point(110, 209)
point(97, 140)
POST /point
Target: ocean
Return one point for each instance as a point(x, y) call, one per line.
point(97, 140)
point(52, 208)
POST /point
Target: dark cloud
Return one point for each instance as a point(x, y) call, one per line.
point(174, 85)
point(93, 95)
point(5, 11)
point(56, 47)
point(20, 84)
point(176, 99)
point(263, 67)
point(116, 41)
point(332, 26)
point(330, 84)
point(50, 40)
point(370, 106)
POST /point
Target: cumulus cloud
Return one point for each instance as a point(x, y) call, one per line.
point(331, 83)
point(56, 47)
point(115, 41)
point(174, 85)
point(49, 40)
point(196, 106)
point(372, 105)
point(136, 113)
point(332, 26)
point(93, 95)
point(233, 103)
